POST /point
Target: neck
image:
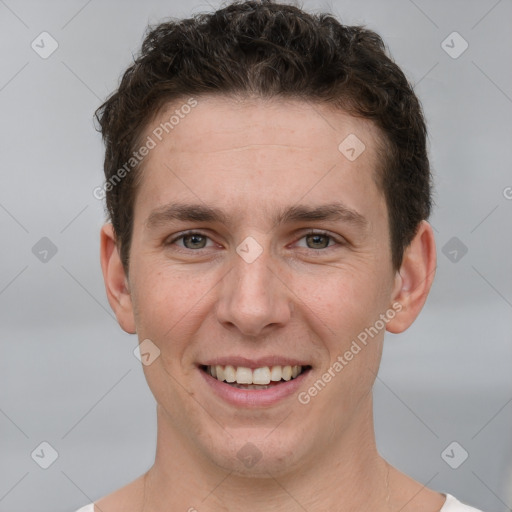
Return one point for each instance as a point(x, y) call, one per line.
point(349, 475)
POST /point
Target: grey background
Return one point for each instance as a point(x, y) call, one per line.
point(68, 373)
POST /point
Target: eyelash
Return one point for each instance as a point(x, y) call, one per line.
point(337, 240)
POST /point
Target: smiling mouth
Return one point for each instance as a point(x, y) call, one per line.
point(258, 378)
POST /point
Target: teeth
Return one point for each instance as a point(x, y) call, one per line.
point(230, 373)
point(218, 371)
point(287, 372)
point(260, 377)
point(275, 373)
point(243, 375)
point(250, 386)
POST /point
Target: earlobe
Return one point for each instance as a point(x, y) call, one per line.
point(116, 282)
point(414, 279)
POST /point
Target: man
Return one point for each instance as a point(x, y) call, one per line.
point(268, 187)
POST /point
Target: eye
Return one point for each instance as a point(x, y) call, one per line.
point(319, 240)
point(192, 240)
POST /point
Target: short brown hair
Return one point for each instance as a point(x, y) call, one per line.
point(270, 49)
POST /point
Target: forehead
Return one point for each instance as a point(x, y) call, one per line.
point(252, 150)
point(230, 121)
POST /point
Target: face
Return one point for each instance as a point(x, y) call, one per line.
point(259, 245)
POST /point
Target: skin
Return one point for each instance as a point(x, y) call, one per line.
point(303, 296)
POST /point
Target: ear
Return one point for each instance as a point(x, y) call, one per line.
point(414, 279)
point(116, 281)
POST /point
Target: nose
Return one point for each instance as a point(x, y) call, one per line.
point(254, 298)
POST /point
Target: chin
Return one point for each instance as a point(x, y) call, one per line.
point(257, 452)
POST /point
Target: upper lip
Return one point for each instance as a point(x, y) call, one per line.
point(260, 362)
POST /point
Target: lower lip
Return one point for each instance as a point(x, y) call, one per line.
point(254, 397)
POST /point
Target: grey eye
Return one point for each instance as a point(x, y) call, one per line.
point(317, 241)
point(194, 241)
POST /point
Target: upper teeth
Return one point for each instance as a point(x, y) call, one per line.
point(243, 375)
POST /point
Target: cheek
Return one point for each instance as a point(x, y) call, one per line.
point(343, 312)
point(344, 302)
point(169, 303)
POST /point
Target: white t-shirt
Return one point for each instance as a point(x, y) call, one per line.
point(450, 505)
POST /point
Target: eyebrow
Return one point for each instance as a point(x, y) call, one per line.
point(336, 211)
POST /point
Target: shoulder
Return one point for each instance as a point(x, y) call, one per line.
point(412, 496)
point(454, 505)
point(127, 499)
point(87, 508)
